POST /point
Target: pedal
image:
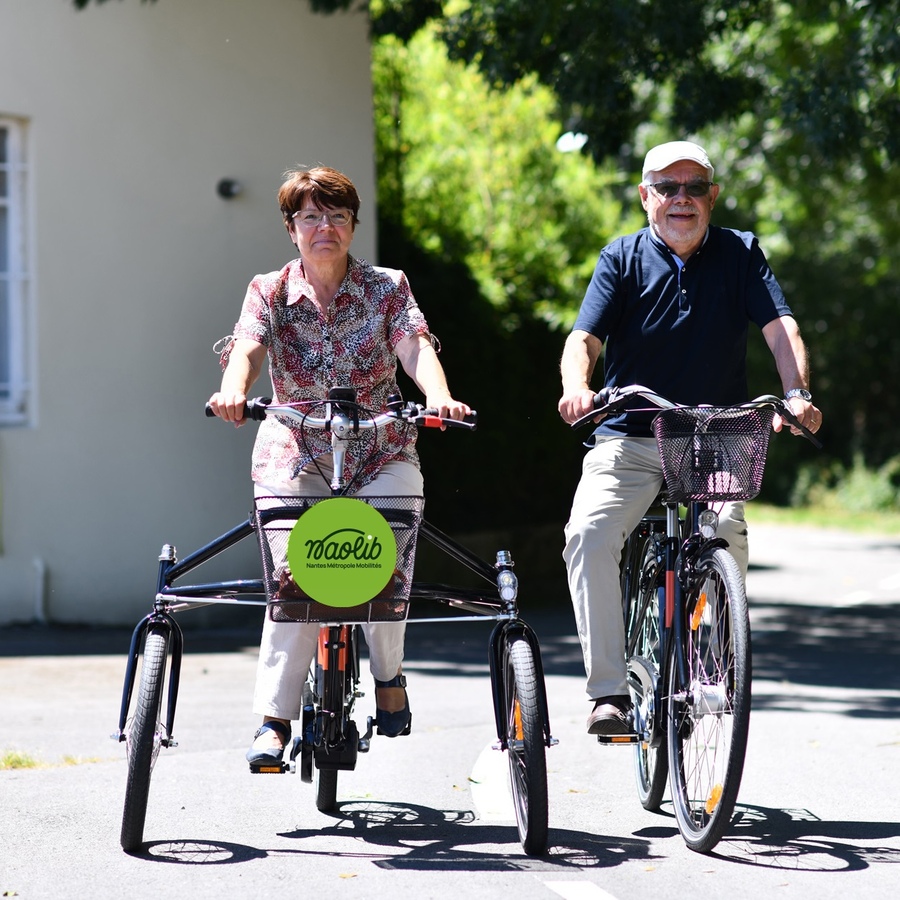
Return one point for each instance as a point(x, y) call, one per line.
point(272, 769)
point(614, 739)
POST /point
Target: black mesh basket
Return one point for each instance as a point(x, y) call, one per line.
point(288, 603)
point(713, 454)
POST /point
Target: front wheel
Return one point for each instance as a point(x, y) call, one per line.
point(525, 744)
point(144, 737)
point(709, 715)
point(326, 789)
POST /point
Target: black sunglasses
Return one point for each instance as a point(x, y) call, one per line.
point(670, 189)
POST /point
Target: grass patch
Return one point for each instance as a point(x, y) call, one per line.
point(15, 759)
point(79, 760)
point(819, 517)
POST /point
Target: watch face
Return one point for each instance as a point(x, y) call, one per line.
point(799, 392)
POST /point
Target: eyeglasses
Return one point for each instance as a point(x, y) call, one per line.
point(670, 189)
point(312, 218)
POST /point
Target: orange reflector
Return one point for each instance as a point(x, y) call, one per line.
point(517, 717)
point(715, 795)
point(698, 612)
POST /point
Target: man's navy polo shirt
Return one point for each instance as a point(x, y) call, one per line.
point(679, 329)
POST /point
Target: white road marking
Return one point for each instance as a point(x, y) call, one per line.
point(578, 890)
point(889, 583)
point(489, 784)
point(856, 598)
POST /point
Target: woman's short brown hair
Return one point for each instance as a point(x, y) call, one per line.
point(320, 186)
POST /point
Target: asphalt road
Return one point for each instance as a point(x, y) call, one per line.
point(428, 816)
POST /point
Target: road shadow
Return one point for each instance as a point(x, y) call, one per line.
point(416, 838)
point(855, 648)
point(796, 839)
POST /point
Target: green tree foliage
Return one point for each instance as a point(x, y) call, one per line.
point(476, 177)
point(499, 232)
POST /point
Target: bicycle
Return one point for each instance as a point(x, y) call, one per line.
point(687, 628)
point(329, 740)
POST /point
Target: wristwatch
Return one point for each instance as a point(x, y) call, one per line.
point(799, 392)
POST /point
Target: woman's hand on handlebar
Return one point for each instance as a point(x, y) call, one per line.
point(447, 408)
point(229, 406)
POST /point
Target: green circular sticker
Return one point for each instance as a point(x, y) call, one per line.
point(342, 552)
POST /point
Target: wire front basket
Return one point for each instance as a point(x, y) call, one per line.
point(713, 454)
point(288, 603)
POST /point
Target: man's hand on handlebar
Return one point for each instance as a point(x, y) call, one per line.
point(809, 416)
point(573, 406)
point(229, 406)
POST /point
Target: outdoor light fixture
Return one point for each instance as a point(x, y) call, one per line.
point(229, 188)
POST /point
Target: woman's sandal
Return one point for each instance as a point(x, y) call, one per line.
point(393, 724)
point(270, 755)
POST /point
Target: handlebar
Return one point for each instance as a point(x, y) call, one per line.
point(612, 399)
point(344, 410)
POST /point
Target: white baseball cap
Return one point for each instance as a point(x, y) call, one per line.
point(663, 155)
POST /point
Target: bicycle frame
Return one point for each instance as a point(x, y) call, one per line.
point(682, 544)
point(172, 597)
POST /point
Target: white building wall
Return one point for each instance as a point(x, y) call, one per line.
point(134, 112)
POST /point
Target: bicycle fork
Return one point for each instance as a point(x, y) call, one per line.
point(175, 643)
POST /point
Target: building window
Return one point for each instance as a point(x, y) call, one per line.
point(15, 278)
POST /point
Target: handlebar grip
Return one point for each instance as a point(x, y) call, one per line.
point(254, 409)
point(601, 398)
point(431, 419)
point(787, 414)
point(470, 421)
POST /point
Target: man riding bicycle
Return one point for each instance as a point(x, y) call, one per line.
point(671, 306)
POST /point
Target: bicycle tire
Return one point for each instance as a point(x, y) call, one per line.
point(525, 744)
point(307, 731)
point(642, 635)
point(326, 789)
point(144, 736)
point(336, 693)
point(709, 720)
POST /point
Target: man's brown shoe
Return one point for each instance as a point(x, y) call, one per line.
point(611, 715)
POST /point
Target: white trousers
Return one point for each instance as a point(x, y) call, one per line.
point(287, 649)
point(620, 478)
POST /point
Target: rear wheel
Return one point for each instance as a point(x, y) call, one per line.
point(709, 716)
point(144, 736)
point(525, 745)
point(642, 624)
point(307, 731)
